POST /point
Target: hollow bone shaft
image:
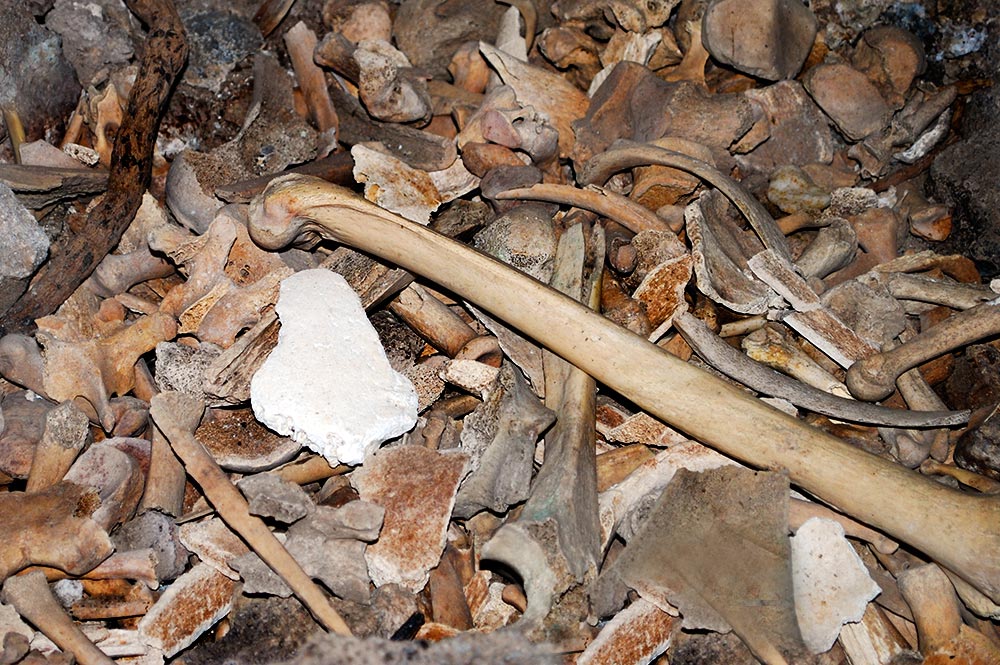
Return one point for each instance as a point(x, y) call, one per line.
point(962, 532)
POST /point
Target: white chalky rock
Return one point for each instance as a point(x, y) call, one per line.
point(328, 383)
point(831, 584)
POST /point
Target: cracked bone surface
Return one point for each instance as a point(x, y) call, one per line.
point(874, 378)
point(962, 532)
point(171, 412)
point(328, 383)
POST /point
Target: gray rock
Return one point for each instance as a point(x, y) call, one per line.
point(95, 34)
point(271, 496)
point(24, 245)
point(218, 41)
point(35, 77)
point(964, 176)
point(158, 531)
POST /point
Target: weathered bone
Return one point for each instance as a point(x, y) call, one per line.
point(734, 364)
point(169, 413)
point(30, 596)
point(962, 532)
point(874, 377)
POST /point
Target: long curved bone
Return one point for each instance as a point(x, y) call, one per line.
point(960, 531)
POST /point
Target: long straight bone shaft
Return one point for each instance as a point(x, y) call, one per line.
point(960, 531)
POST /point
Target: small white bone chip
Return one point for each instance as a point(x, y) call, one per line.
point(328, 383)
point(832, 585)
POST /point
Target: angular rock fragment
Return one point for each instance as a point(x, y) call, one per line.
point(25, 245)
point(329, 545)
point(416, 486)
point(157, 531)
point(191, 605)
point(831, 583)
point(328, 383)
point(94, 35)
point(271, 496)
point(35, 76)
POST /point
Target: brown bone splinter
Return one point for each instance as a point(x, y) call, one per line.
point(962, 532)
point(170, 411)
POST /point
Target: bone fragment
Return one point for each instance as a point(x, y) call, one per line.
point(623, 210)
point(767, 381)
point(937, 291)
point(66, 432)
point(30, 596)
point(563, 500)
point(832, 586)
point(874, 377)
point(637, 634)
point(811, 318)
point(166, 410)
point(300, 42)
point(874, 639)
point(962, 533)
point(934, 605)
point(974, 480)
point(192, 604)
point(800, 511)
point(432, 320)
point(166, 477)
point(626, 154)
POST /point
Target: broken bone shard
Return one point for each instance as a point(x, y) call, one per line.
point(832, 585)
point(328, 383)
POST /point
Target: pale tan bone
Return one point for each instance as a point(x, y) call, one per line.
point(874, 377)
point(961, 532)
point(169, 412)
point(30, 596)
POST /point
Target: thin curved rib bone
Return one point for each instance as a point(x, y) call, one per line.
point(626, 154)
point(962, 532)
point(756, 376)
point(623, 210)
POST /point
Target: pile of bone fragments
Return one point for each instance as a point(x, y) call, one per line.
point(297, 419)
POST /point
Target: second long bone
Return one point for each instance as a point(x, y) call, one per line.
point(962, 532)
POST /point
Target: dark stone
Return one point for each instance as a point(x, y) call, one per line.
point(965, 174)
point(975, 381)
point(262, 631)
point(35, 77)
point(979, 448)
point(95, 35)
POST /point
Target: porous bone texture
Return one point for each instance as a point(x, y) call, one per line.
point(328, 383)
